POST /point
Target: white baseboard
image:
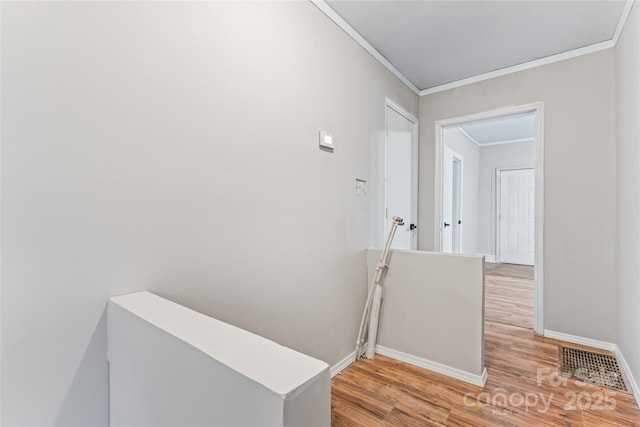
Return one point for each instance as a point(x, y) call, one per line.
point(439, 368)
point(489, 258)
point(603, 345)
point(343, 364)
point(627, 372)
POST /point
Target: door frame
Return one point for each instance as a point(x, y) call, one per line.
point(498, 204)
point(538, 109)
point(460, 158)
point(389, 103)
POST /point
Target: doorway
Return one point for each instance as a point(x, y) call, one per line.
point(401, 175)
point(533, 240)
point(451, 201)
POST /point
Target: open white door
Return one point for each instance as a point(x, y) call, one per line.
point(516, 240)
point(400, 176)
point(533, 244)
point(450, 228)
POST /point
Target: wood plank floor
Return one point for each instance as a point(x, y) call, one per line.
point(523, 388)
point(508, 292)
point(508, 270)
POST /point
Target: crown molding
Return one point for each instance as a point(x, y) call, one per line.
point(521, 67)
point(487, 144)
point(351, 32)
point(507, 141)
point(542, 61)
point(469, 137)
point(623, 20)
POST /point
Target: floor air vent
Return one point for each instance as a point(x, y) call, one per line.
point(593, 368)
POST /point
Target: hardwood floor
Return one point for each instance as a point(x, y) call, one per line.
point(509, 299)
point(523, 388)
point(508, 270)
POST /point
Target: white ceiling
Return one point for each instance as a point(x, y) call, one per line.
point(437, 42)
point(515, 128)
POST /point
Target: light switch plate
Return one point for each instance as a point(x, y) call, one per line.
point(326, 140)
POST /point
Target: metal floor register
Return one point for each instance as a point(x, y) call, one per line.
point(593, 368)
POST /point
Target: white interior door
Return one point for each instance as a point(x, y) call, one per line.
point(516, 216)
point(450, 228)
point(447, 201)
point(399, 178)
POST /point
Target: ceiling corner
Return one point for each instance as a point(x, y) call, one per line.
point(351, 32)
point(623, 20)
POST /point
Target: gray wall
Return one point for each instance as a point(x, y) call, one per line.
point(172, 366)
point(433, 307)
point(493, 157)
point(172, 147)
point(628, 157)
point(580, 295)
point(470, 152)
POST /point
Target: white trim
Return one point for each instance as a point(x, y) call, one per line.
point(400, 109)
point(486, 144)
point(351, 32)
point(455, 155)
point(602, 345)
point(628, 374)
point(479, 380)
point(437, 199)
point(343, 364)
point(538, 108)
point(490, 258)
point(623, 20)
point(538, 267)
point(521, 67)
point(497, 206)
point(1, 249)
point(388, 102)
point(415, 181)
point(469, 137)
point(507, 141)
point(542, 61)
point(460, 201)
point(496, 113)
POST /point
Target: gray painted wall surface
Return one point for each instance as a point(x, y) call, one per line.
point(171, 366)
point(433, 307)
point(580, 295)
point(470, 152)
point(493, 157)
point(173, 147)
point(628, 169)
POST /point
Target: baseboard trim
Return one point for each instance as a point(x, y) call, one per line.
point(602, 345)
point(627, 372)
point(489, 258)
point(343, 364)
point(479, 380)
